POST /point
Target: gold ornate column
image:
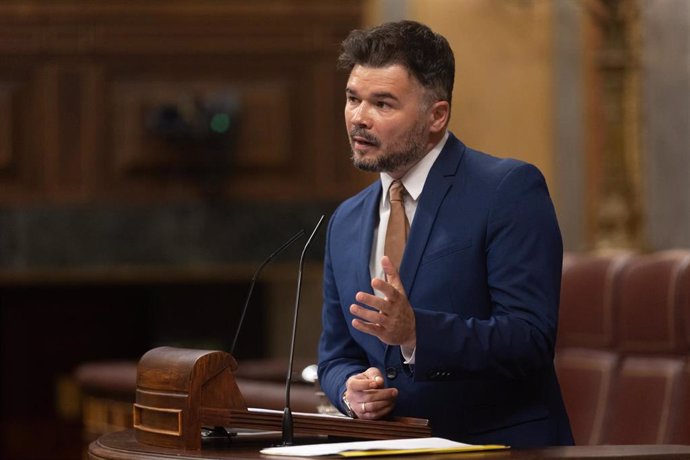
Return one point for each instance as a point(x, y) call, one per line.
point(615, 182)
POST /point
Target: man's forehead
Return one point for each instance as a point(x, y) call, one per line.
point(390, 76)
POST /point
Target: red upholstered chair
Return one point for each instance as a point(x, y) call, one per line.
point(586, 378)
point(624, 337)
point(585, 362)
point(680, 424)
point(680, 432)
point(588, 286)
point(648, 395)
point(645, 401)
point(649, 303)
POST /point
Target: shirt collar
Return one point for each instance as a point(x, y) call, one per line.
point(415, 178)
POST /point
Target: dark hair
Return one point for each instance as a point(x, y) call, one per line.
point(426, 54)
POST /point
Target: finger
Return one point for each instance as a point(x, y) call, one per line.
point(377, 394)
point(392, 274)
point(358, 383)
point(370, 300)
point(375, 377)
point(380, 394)
point(390, 292)
point(366, 314)
point(368, 328)
point(375, 409)
point(377, 403)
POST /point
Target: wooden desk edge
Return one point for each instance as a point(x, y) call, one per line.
point(123, 446)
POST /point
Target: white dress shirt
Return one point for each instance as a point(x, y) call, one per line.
point(413, 182)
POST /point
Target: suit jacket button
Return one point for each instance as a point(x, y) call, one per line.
point(391, 373)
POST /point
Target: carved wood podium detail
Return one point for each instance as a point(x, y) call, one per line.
point(173, 385)
point(179, 391)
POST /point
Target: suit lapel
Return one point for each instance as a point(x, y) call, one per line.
point(369, 221)
point(437, 185)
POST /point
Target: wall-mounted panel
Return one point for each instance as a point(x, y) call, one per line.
point(143, 110)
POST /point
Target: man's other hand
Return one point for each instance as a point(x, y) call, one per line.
point(367, 396)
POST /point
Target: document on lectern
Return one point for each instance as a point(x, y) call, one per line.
point(381, 447)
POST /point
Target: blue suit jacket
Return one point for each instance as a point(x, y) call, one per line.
point(482, 270)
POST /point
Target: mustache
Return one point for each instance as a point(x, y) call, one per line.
point(367, 136)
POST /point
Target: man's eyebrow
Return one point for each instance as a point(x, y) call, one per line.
point(379, 95)
point(385, 95)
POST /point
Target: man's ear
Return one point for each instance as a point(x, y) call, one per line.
point(439, 113)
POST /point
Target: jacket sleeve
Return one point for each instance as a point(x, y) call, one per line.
point(523, 255)
point(339, 355)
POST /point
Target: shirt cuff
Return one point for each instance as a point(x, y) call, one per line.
point(408, 357)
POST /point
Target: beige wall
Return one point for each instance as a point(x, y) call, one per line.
point(503, 98)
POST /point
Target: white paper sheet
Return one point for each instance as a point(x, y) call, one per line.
point(314, 450)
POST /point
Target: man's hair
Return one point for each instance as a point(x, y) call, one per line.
point(426, 54)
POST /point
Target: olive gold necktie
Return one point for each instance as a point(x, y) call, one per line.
point(398, 226)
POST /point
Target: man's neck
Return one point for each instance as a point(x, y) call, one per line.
point(434, 139)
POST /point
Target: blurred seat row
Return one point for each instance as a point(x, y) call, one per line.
point(623, 347)
point(622, 356)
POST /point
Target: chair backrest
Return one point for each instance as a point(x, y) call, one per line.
point(622, 356)
point(645, 401)
point(586, 377)
point(650, 388)
point(588, 289)
point(649, 303)
point(679, 433)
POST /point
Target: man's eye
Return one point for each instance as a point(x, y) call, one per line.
point(382, 105)
point(351, 99)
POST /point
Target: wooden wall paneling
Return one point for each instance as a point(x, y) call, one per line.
point(7, 147)
point(71, 106)
point(264, 118)
point(291, 128)
point(278, 55)
point(266, 139)
point(264, 147)
point(335, 171)
point(175, 26)
point(319, 133)
point(77, 78)
point(20, 128)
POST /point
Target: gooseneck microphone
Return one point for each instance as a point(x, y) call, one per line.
point(254, 278)
point(288, 429)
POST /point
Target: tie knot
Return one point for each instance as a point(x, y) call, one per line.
point(396, 191)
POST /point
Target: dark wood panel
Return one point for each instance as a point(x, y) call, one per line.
point(85, 185)
point(19, 131)
point(94, 75)
point(7, 143)
point(130, 27)
point(263, 116)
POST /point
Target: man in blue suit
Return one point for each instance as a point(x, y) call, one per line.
point(460, 330)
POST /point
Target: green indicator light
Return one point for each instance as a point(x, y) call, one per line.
point(220, 123)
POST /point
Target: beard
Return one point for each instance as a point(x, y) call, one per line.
point(402, 153)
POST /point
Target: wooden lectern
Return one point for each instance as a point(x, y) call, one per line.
point(179, 391)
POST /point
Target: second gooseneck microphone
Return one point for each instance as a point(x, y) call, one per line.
point(288, 429)
point(253, 282)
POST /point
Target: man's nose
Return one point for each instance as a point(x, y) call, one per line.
point(361, 116)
